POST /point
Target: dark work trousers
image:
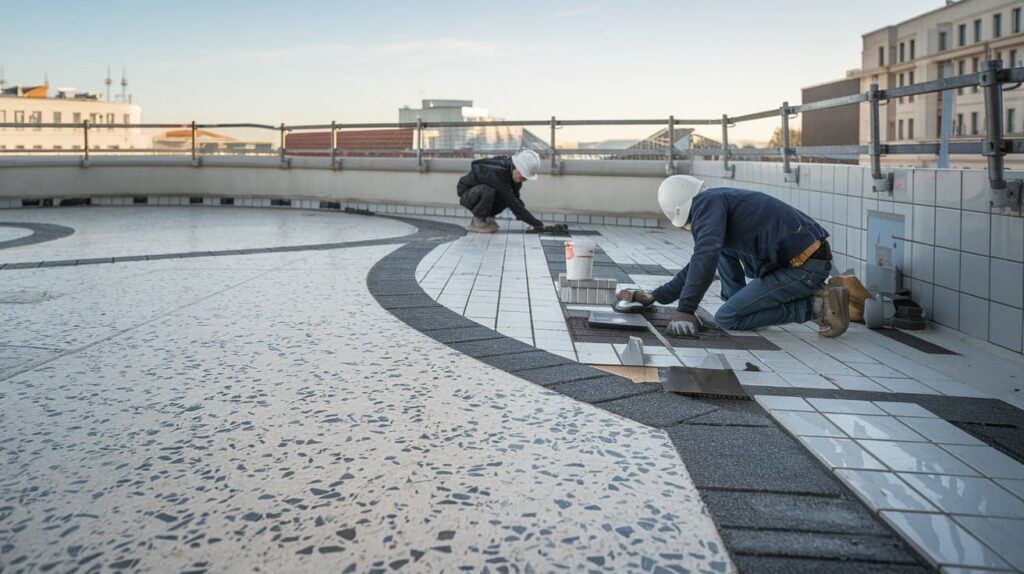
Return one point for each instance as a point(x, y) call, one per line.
point(479, 200)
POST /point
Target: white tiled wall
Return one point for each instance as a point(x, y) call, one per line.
point(964, 262)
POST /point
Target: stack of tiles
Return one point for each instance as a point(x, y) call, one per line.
point(587, 291)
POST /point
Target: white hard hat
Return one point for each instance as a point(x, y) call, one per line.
point(527, 162)
point(675, 195)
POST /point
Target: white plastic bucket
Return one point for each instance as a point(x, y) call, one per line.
point(579, 259)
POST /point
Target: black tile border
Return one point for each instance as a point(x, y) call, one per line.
point(41, 233)
point(732, 449)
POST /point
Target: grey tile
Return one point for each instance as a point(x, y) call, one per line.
point(1008, 237)
point(975, 232)
point(845, 406)
point(659, 409)
point(802, 423)
point(1014, 486)
point(1000, 534)
point(947, 221)
point(974, 315)
point(942, 540)
point(988, 461)
point(1005, 326)
point(874, 427)
point(939, 431)
point(1007, 282)
point(841, 453)
point(772, 402)
point(902, 185)
point(947, 188)
point(924, 224)
point(883, 490)
point(947, 268)
point(966, 495)
point(604, 389)
point(924, 186)
point(917, 457)
point(974, 274)
point(905, 409)
point(791, 512)
point(946, 307)
point(975, 190)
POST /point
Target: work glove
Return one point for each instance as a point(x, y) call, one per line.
point(684, 325)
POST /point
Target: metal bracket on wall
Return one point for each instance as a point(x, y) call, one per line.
point(286, 163)
point(728, 170)
point(884, 183)
point(793, 176)
point(1009, 196)
point(789, 174)
point(1002, 193)
point(881, 181)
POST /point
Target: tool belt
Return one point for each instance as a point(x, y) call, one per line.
point(817, 250)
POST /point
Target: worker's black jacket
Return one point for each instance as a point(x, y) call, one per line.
point(496, 172)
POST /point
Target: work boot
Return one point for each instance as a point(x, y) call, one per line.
point(832, 311)
point(479, 225)
point(491, 221)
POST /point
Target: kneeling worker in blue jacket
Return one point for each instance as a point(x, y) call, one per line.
point(772, 259)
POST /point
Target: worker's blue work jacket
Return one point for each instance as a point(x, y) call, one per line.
point(761, 232)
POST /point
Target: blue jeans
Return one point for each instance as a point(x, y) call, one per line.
point(782, 296)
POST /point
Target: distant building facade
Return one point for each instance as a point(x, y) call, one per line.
point(834, 126)
point(34, 105)
point(948, 41)
point(481, 138)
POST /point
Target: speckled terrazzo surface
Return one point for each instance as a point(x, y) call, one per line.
point(262, 412)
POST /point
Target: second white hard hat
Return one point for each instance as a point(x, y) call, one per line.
point(527, 162)
point(675, 196)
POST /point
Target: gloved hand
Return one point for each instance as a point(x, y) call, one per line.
point(684, 325)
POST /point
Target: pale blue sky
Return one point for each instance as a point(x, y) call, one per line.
point(305, 61)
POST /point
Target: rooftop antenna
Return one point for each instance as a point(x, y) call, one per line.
point(108, 82)
point(124, 85)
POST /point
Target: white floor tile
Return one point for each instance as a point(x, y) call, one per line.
point(904, 409)
point(917, 457)
point(843, 406)
point(772, 403)
point(939, 431)
point(1001, 534)
point(855, 383)
point(802, 423)
point(905, 386)
point(875, 427)
point(841, 453)
point(883, 490)
point(943, 541)
point(762, 379)
point(966, 495)
point(1014, 486)
point(807, 380)
point(988, 461)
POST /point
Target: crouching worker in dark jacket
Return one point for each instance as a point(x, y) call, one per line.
point(772, 260)
point(493, 184)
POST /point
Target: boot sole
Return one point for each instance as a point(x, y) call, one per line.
point(839, 303)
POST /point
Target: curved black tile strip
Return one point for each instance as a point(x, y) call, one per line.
point(41, 233)
point(738, 457)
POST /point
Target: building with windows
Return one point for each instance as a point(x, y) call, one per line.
point(476, 138)
point(951, 40)
point(33, 105)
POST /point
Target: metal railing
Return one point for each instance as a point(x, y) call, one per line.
point(992, 81)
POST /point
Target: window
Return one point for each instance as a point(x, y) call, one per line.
point(36, 118)
point(974, 68)
point(903, 52)
point(913, 49)
point(899, 84)
point(977, 30)
point(910, 129)
point(127, 118)
point(1013, 59)
point(76, 117)
point(3, 117)
point(959, 124)
point(19, 118)
point(94, 118)
point(37, 147)
point(881, 56)
point(1011, 121)
point(1015, 17)
point(974, 123)
point(58, 147)
point(899, 133)
point(110, 121)
point(57, 117)
point(961, 70)
point(943, 42)
point(997, 25)
point(962, 34)
point(910, 82)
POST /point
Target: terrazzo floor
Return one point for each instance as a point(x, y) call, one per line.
point(262, 413)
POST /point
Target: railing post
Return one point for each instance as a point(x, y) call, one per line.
point(419, 144)
point(945, 118)
point(282, 145)
point(195, 159)
point(1002, 193)
point(881, 182)
point(85, 136)
point(554, 154)
point(729, 170)
point(789, 175)
point(334, 144)
point(670, 167)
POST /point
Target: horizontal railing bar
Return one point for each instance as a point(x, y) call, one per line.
point(830, 103)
